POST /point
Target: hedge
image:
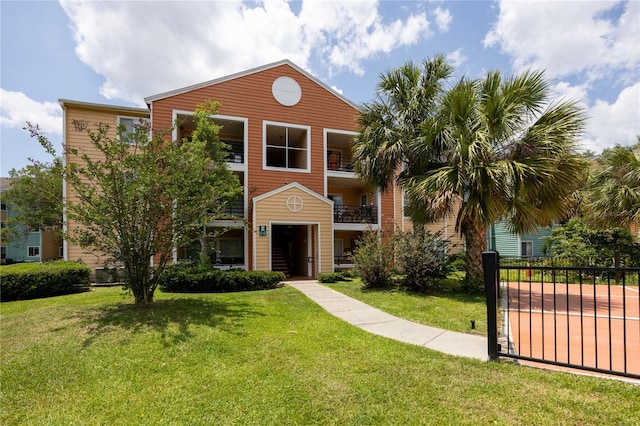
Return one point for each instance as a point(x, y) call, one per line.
point(333, 277)
point(32, 280)
point(189, 279)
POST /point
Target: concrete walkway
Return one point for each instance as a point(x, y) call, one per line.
point(378, 322)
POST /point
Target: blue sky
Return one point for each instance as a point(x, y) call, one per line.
point(120, 52)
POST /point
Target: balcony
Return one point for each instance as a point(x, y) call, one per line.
point(236, 151)
point(339, 161)
point(233, 210)
point(355, 214)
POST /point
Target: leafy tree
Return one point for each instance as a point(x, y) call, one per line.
point(35, 197)
point(145, 195)
point(577, 244)
point(613, 195)
point(484, 150)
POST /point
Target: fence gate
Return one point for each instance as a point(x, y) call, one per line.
point(583, 318)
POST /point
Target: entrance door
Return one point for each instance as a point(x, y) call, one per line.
point(290, 250)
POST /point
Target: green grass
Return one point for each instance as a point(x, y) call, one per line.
point(270, 357)
point(446, 307)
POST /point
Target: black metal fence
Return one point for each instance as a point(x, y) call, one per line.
point(576, 317)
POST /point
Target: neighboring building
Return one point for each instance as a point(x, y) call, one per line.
point(510, 244)
point(35, 246)
point(303, 208)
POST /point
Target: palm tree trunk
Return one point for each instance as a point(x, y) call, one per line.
point(475, 237)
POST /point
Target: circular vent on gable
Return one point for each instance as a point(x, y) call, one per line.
point(286, 91)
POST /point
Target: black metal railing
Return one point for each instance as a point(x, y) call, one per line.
point(235, 154)
point(232, 209)
point(586, 318)
point(355, 214)
point(339, 161)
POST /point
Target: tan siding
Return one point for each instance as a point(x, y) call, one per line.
point(273, 209)
point(80, 140)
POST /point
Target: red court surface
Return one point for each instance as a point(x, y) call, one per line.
point(595, 326)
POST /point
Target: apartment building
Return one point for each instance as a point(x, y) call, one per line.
point(32, 245)
point(290, 136)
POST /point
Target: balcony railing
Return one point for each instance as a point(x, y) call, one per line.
point(339, 161)
point(342, 260)
point(355, 214)
point(233, 209)
point(236, 151)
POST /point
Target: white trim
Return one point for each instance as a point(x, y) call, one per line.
point(254, 233)
point(135, 120)
point(64, 103)
point(266, 123)
point(379, 205)
point(65, 244)
point(324, 162)
point(288, 187)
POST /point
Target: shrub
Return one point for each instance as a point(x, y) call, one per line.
point(333, 277)
point(458, 262)
point(421, 257)
point(31, 280)
point(182, 278)
point(373, 260)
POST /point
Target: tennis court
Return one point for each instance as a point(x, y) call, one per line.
point(590, 326)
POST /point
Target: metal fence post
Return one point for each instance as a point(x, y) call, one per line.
point(490, 267)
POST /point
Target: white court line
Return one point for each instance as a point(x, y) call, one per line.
point(575, 314)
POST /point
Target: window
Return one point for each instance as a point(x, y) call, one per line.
point(131, 123)
point(286, 146)
point(33, 251)
point(526, 248)
point(3, 253)
point(336, 198)
point(338, 247)
point(229, 251)
point(3, 207)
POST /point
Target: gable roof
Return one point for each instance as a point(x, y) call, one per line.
point(240, 74)
point(288, 187)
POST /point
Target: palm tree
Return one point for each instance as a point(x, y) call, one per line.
point(613, 195)
point(486, 150)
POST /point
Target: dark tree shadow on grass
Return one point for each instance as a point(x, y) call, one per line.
point(173, 319)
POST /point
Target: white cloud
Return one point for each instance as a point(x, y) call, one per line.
point(569, 37)
point(16, 109)
point(338, 90)
point(456, 58)
point(145, 48)
point(615, 123)
point(443, 19)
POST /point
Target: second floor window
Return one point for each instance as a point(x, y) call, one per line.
point(131, 123)
point(286, 146)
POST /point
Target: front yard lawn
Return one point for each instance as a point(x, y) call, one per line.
point(266, 357)
point(446, 307)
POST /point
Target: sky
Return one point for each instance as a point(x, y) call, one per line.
point(119, 52)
